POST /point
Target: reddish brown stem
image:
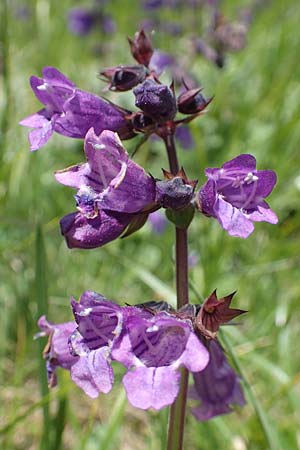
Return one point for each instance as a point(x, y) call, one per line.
point(177, 409)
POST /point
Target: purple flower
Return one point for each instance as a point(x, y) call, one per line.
point(185, 138)
point(160, 61)
point(158, 221)
point(155, 100)
point(153, 349)
point(235, 194)
point(57, 351)
point(70, 111)
point(99, 326)
point(111, 187)
point(217, 386)
point(81, 21)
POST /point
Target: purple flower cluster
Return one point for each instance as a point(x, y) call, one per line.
point(113, 192)
point(72, 112)
point(152, 341)
point(114, 197)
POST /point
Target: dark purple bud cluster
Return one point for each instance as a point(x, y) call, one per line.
point(156, 100)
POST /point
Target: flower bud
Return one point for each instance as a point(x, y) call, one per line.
point(141, 48)
point(192, 102)
point(141, 122)
point(124, 78)
point(176, 191)
point(156, 100)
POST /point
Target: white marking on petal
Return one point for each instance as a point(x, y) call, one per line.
point(152, 329)
point(99, 146)
point(85, 312)
point(43, 87)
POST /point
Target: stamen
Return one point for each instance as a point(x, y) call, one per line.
point(250, 178)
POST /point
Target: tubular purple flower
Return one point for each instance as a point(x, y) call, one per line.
point(99, 325)
point(217, 386)
point(57, 351)
point(111, 187)
point(153, 349)
point(235, 193)
point(70, 111)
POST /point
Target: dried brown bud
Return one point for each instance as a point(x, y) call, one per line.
point(141, 48)
point(124, 78)
point(192, 102)
point(214, 313)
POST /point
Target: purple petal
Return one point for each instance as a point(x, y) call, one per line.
point(131, 191)
point(217, 386)
point(127, 187)
point(195, 357)
point(80, 232)
point(207, 198)
point(266, 182)
point(93, 373)
point(99, 320)
point(244, 161)
point(105, 155)
point(36, 120)
point(40, 136)
point(263, 214)
point(151, 387)
point(85, 110)
point(122, 352)
point(233, 220)
point(41, 94)
point(74, 176)
point(57, 352)
point(53, 76)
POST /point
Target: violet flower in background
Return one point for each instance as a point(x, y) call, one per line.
point(81, 21)
point(185, 138)
point(217, 387)
point(158, 221)
point(235, 193)
point(111, 187)
point(153, 350)
point(57, 352)
point(70, 111)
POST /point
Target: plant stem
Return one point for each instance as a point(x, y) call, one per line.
point(177, 409)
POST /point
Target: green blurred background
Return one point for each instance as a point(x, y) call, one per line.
point(256, 110)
